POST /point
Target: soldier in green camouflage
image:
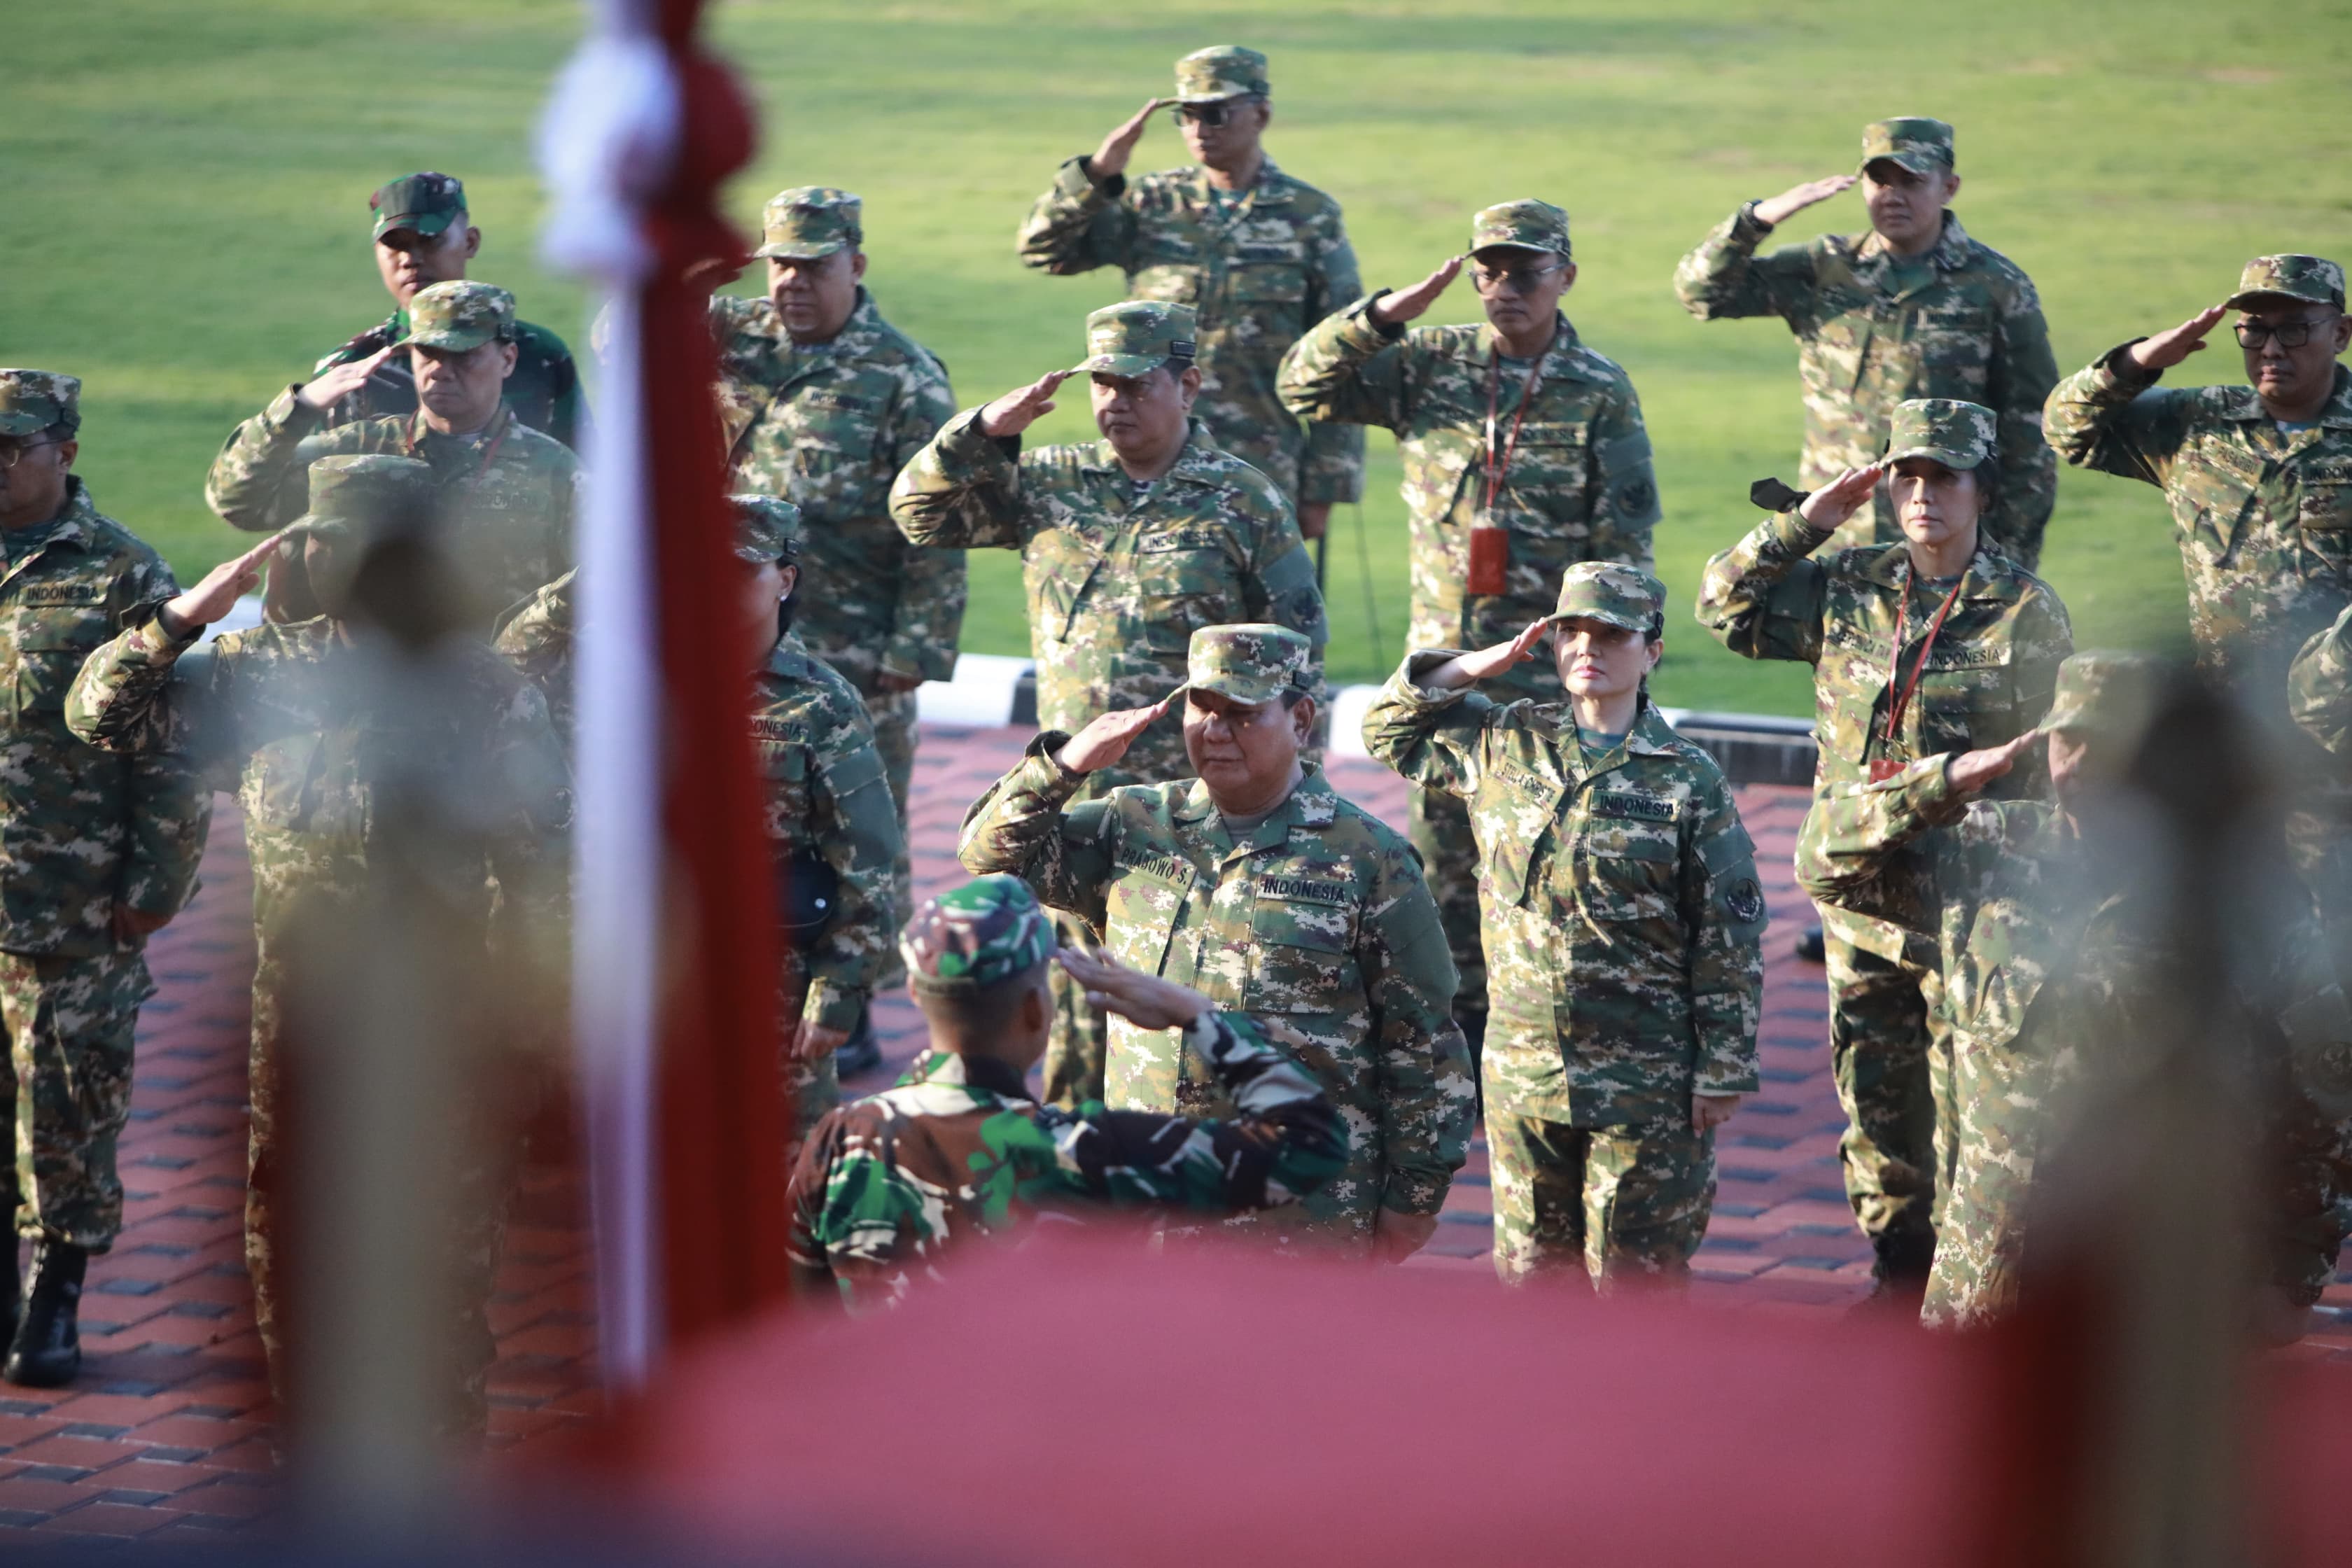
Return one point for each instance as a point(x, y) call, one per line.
point(1258, 256)
point(1257, 884)
point(1624, 923)
point(1941, 643)
point(425, 236)
point(1913, 309)
point(1524, 453)
point(959, 1149)
point(1128, 547)
point(507, 492)
point(285, 715)
point(95, 853)
point(824, 402)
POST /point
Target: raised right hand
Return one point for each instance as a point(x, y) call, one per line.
point(1022, 406)
point(1110, 158)
point(1106, 739)
point(1797, 198)
point(1840, 499)
point(329, 387)
point(2166, 350)
point(1144, 1000)
point(1491, 661)
point(220, 589)
point(1406, 303)
point(1972, 773)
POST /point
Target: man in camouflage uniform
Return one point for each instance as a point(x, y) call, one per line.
point(1128, 546)
point(507, 492)
point(326, 759)
point(1940, 643)
point(1258, 256)
point(1277, 898)
point(1625, 921)
point(423, 236)
point(832, 829)
point(95, 853)
point(824, 403)
point(1913, 309)
point(958, 1149)
point(1514, 433)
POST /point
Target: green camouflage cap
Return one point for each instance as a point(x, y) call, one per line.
point(1956, 434)
point(427, 203)
point(2108, 694)
point(33, 400)
point(1134, 336)
point(990, 929)
point(461, 315)
point(1922, 145)
point(767, 528)
point(1252, 662)
point(808, 221)
point(2309, 277)
point(1527, 224)
point(1224, 71)
point(1612, 593)
point(352, 494)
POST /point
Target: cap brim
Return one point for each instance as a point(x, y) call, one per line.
point(1212, 97)
point(800, 252)
point(1958, 462)
point(15, 424)
point(1248, 693)
point(451, 341)
point(1917, 163)
point(426, 223)
point(1127, 367)
point(2248, 299)
point(1604, 617)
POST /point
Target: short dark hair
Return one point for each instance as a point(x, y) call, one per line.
point(984, 1010)
point(1177, 364)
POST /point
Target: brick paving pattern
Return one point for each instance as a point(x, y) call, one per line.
point(165, 1434)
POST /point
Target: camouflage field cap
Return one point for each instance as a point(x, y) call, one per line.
point(427, 203)
point(1526, 224)
point(354, 494)
point(1250, 662)
point(990, 929)
point(1614, 593)
point(2309, 277)
point(767, 528)
point(1134, 336)
point(33, 400)
point(461, 315)
point(810, 222)
point(2108, 694)
point(1922, 145)
point(1220, 72)
point(1956, 434)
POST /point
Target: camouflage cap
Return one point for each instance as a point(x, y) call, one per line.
point(767, 528)
point(1220, 72)
point(1922, 145)
point(352, 494)
point(2314, 278)
point(1251, 662)
point(427, 203)
point(461, 315)
point(1612, 593)
point(1956, 434)
point(1134, 336)
point(33, 400)
point(991, 929)
point(1527, 225)
point(2108, 694)
point(810, 222)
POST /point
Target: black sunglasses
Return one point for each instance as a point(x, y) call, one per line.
point(1210, 115)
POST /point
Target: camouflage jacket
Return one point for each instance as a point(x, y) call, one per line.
point(2263, 517)
point(1318, 925)
point(1116, 586)
point(827, 427)
point(958, 1148)
point(536, 637)
point(1579, 486)
point(1618, 899)
point(1259, 272)
point(1968, 326)
point(510, 492)
point(2319, 686)
point(81, 833)
point(544, 391)
point(1989, 677)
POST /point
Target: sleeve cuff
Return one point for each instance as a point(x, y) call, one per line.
point(834, 1006)
point(1416, 668)
point(149, 638)
point(1794, 534)
point(288, 415)
point(1747, 228)
point(2117, 372)
point(1047, 777)
point(1077, 178)
point(1362, 327)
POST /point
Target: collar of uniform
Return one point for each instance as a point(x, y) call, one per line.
point(76, 521)
point(1312, 805)
point(1650, 734)
point(1196, 462)
point(1949, 253)
point(788, 657)
point(1989, 575)
point(1271, 186)
point(1563, 360)
point(983, 1075)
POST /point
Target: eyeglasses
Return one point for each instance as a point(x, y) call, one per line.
point(1210, 115)
point(2290, 334)
point(1522, 279)
point(12, 452)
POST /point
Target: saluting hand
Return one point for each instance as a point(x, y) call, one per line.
point(1469, 668)
point(1022, 406)
point(1390, 310)
point(1106, 739)
point(1840, 499)
point(220, 589)
point(1972, 771)
point(330, 387)
point(1110, 158)
point(1797, 198)
point(1144, 1000)
point(2166, 350)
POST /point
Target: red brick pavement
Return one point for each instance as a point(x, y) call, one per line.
point(166, 1436)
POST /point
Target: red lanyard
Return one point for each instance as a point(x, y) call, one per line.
point(1926, 647)
point(1498, 465)
point(489, 451)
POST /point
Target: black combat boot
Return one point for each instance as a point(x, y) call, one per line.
point(1899, 1271)
point(1812, 945)
point(46, 1350)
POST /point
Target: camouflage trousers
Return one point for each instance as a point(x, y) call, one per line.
point(70, 1024)
point(893, 714)
point(814, 1087)
point(1999, 1107)
point(1614, 1204)
point(1893, 1075)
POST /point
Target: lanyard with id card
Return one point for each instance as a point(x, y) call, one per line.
point(1884, 768)
point(1490, 542)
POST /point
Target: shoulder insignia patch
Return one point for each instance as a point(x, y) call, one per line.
point(1744, 901)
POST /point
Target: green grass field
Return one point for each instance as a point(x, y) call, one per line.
point(184, 223)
